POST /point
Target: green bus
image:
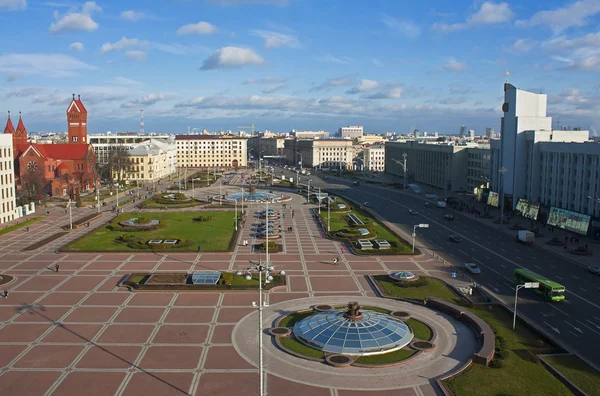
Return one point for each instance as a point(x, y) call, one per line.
point(548, 290)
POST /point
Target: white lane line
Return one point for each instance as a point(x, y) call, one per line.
point(519, 258)
point(537, 266)
point(502, 265)
point(504, 251)
point(493, 270)
point(463, 252)
point(595, 331)
point(574, 277)
point(552, 266)
point(557, 277)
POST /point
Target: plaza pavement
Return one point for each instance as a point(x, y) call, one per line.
point(74, 332)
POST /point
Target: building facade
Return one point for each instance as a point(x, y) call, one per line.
point(351, 132)
point(107, 145)
point(374, 158)
point(210, 151)
point(478, 168)
point(149, 161)
point(371, 139)
point(310, 134)
point(7, 182)
point(266, 146)
point(320, 153)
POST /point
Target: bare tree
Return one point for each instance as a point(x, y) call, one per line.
point(33, 184)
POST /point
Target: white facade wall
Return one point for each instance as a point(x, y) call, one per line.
point(375, 158)
point(105, 145)
point(197, 151)
point(351, 131)
point(7, 182)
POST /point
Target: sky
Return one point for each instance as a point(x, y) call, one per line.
point(296, 64)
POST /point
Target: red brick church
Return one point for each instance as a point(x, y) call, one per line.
point(55, 169)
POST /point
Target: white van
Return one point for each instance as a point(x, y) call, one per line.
point(441, 204)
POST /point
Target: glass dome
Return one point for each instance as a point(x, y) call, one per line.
point(402, 275)
point(253, 196)
point(372, 333)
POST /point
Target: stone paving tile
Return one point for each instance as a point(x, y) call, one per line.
point(69, 265)
point(174, 266)
point(232, 315)
point(22, 332)
point(8, 312)
point(81, 283)
point(332, 283)
point(81, 256)
point(49, 356)
point(112, 257)
point(297, 283)
point(222, 334)
point(213, 265)
point(145, 315)
point(110, 283)
point(101, 266)
point(283, 387)
point(225, 357)
point(9, 352)
point(151, 299)
point(91, 314)
point(20, 298)
point(366, 266)
point(240, 299)
point(190, 315)
point(428, 390)
point(126, 334)
point(201, 299)
point(227, 384)
point(40, 313)
point(107, 356)
point(142, 266)
point(58, 298)
point(160, 383)
point(396, 392)
point(181, 334)
point(171, 357)
point(32, 265)
point(22, 383)
point(80, 333)
point(283, 296)
point(41, 283)
point(90, 383)
point(106, 298)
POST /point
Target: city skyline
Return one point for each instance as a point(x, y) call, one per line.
point(283, 64)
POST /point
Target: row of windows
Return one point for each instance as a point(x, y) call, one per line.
point(7, 193)
point(7, 153)
point(5, 165)
point(6, 206)
point(6, 179)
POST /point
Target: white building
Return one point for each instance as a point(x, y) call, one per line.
point(489, 133)
point(461, 134)
point(7, 183)
point(210, 151)
point(310, 134)
point(320, 153)
point(105, 145)
point(375, 158)
point(150, 160)
point(350, 132)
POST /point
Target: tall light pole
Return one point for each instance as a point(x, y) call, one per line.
point(414, 234)
point(527, 285)
point(98, 195)
point(300, 159)
point(221, 191)
point(297, 178)
point(403, 165)
point(70, 214)
point(328, 213)
point(319, 200)
point(502, 171)
point(193, 190)
point(236, 218)
point(118, 186)
point(308, 191)
point(242, 200)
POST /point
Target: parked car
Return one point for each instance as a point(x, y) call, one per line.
point(449, 217)
point(367, 204)
point(472, 268)
point(413, 212)
point(455, 238)
point(594, 269)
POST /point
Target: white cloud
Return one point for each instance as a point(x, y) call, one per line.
point(178, 49)
point(405, 27)
point(231, 57)
point(335, 59)
point(76, 46)
point(147, 100)
point(197, 28)
point(132, 16)
point(390, 91)
point(48, 65)
point(335, 82)
point(125, 81)
point(452, 100)
point(564, 43)
point(21, 92)
point(275, 39)
point(234, 3)
point(524, 45)
point(52, 99)
point(76, 20)
point(364, 86)
point(574, 15)
point(582, 53)
point(266, 80)
point(274, 88)
point(489, 13)
point(376, 62)
point(13, 5)
point(135, 55)
point(123, 43)
point(452, 65)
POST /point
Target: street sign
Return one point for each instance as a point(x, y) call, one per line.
point(454, 274)
point(532, 285)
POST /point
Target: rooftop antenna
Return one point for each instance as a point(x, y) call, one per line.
point(142, 122)
point(507, 74)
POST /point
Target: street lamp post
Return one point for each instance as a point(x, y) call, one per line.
point(308, 191)
point(328, 213)
point(527, 285)
point(220, 191)
point(118, 186)
point(70, 214)
point(297, 178)
point(319, 200)
point(502, 171)
point(414, 234)
point(403, 165)
point(98, 195)
point(236, 218)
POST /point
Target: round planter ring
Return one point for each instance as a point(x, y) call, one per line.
point(280, 331)
point(422, 345)
point(339, 361)
point(323, 308)
point(402, 315)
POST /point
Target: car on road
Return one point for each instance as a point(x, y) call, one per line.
point(455, 238)
point(594, 269)
point(367, 204)
point(325, 177)
point(427, 205)
point(449, 217)
point(356, 183)
point(472, 268)
point(413, 212)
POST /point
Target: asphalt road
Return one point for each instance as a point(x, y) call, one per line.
point(575, 322)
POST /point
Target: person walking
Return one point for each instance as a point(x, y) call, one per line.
point(5, 294)
point(342, 250)
point(335, 261)
point(56, 267)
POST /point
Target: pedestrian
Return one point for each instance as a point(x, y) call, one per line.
point(5, 294)
point(322, 235)
point(342, 250)
point(284, 216)
point(576, 239)
point(56, 266)
point(586, 247)
point(335, 261)
point(27, 228)
point(566, 248)
point(47, 213)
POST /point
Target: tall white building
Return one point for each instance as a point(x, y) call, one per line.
point(351, 132)
point(105, 145)
point(374, 158)
point(150, 160)
point(463, 129)
point(489, 133)
point(209, 151)
point(7, 183)
point(322, 153)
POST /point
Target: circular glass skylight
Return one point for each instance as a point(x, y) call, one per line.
point(402, 275)
point(373, 333)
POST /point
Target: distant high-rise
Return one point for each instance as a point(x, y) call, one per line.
point(463, 129)
point(472, 134)
point(489, 132)
point(351, 131)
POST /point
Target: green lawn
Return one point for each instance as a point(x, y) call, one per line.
point(387, 358)
point(214, 235)
point(296, 346)
point(20, 225)
point(290, 320)
point(420, 329)
point(518, 375)
point(577, 371)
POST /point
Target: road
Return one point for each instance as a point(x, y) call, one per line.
point(575, 322)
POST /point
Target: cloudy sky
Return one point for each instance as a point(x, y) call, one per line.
point(303, 64)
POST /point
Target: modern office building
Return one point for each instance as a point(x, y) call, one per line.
point(210, 151)
point(374, 158)
point(7, 182)
point(107, 144)
point(351, 132)
point(489, 133)
point(150, 160)
point(478, 168)
point(309, 134)
point(463, 129)
point(322, 153)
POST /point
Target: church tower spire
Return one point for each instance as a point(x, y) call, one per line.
point(77, 119)
point(9, 128)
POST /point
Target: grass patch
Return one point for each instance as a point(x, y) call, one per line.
point(517, 376)
point(241, 280)
point(420, 329)
point(214, 235)
point(577, 371)
point(20, 225)
point(296, 346)
point(136, 278)
point(388, 358)
point(291, 320)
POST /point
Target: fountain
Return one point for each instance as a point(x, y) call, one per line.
point(254, 196)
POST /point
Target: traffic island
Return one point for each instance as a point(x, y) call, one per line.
point(197, 281)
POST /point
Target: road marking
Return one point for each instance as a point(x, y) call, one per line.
point(487, 258)
point(574, 277)
point(576, 335)
point(557, 277)
point(502, 265)
point(537, 266)
point(574, 327)
point(519, 258)
point(551, 266)
point(465, 253)
point(558, 309)
point(553, 328)
point(504, 251)
point(597, 327)
point(583, 289)
point(493, 270)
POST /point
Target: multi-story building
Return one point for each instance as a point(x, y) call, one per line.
point(371, 139)
point(489, 133)
point(210, 151)
point(351, 132)
point(321, 153)
point(310, 134)
point(106, 145)
point(478, 168)
point(266, 146)
point(7, 182)
point(148, 161)
point(374, 158)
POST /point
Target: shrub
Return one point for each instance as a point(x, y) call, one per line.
point(202, 218)
point(180, 197)
point(417, 283)
point(142, 220)
point(227, 278)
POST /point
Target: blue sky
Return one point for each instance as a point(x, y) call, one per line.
point(303, 64)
